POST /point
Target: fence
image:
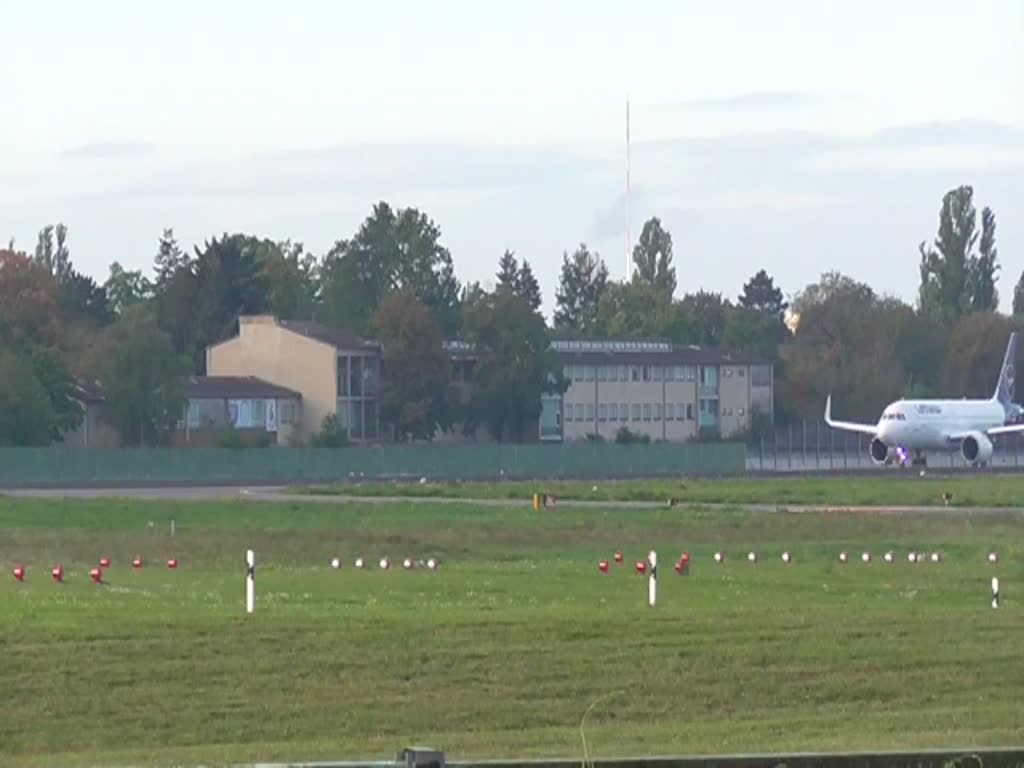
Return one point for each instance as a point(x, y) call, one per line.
point(814, 447)
point(66, 467)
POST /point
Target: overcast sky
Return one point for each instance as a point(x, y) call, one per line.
point(792, 136)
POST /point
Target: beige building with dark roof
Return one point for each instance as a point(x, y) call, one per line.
point(333, 372)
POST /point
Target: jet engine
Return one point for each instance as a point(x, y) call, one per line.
point(881, 453)
point(976, 448)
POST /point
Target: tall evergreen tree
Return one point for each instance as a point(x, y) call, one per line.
point(652, 256)
point(169, 258)
point(508, 270)
point(583, 281)
point(527, 287)
point(1018, 296)
point(760, 293)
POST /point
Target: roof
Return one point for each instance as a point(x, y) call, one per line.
point(336, 338)
point(217, 387)
point(89, 391)
point(674, 356)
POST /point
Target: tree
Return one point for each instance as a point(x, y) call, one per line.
point(708, 313)
point(1018, 297)
point(53, 374)
point(54, 257)
point(760, 294)
point(231, 282)
point(416, 394)
point(975, 354)
point(170, 258)
point(291, 275)
point(640, 310)
point(583, 281)
point(142, 376)
point(26, 416)
point(753, 332)
point(84, 303)
point(29, 302)
point(126, 288)
point(515, 365)
point(391, 252)
point(527, 287)
point(508, 271)
point(954, 280)
point(652, 256)
point(981, 277)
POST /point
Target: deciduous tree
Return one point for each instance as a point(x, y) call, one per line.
point(416, 392)
point(26, 416)
point(652, 256)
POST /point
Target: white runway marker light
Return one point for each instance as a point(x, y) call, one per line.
point(993, 557)
point(250, 581)
point(912, 557)
point(432, 564)
point(384, 564)
point(842, 557)
point(407, 564)
point(652, 580)
point(752, 557)
point(359, 563)
point(888, 557)
point(936, 557)
point(786, 557)
point(995, 592)
point(335, 563)
point(719, 557)
point(866, 557)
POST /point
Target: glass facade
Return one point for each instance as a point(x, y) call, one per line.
point(358, 388)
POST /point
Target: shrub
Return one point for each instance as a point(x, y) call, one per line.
point(331, 435)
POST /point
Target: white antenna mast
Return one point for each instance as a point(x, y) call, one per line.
point(629, 237)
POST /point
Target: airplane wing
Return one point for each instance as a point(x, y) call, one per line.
point(848, 426)
point(1006, 429)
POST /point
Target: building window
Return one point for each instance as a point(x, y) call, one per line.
point(613, 411)
point(742, 411)
point(579, 411)
point(728, 372)
point(568, 411)
point(657, 411)
point(602, 373)
point(286, 412)
point(343, 376)
point(258, 417)
point(577, 373)
point(602, 412)
point(588, 373)
point(689, 411)
point(670, 373)
point(623, 373)
point(741, 372)
point(623, 412)
point(636, 411)
point(657, 373)
point(193, 415)
point(590, 411)
point(647, 373)
point(371, 377)
point(708, 376)
point(647, 411)
point(567, 372)
point(670, 411)
point(613, 373)
point(760, 375)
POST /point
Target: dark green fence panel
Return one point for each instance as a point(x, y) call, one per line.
point(66, 467)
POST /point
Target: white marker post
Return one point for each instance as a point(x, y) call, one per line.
point(995, 592)
point(250, 581)
point(652, 580)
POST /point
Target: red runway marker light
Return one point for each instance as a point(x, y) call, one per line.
point(641, 566)
point(96, 575)
point(104, 562)
point(137, 562)
point(172, 563)
point(19, 572)
point(679, 567)
point(57, 573)
point(618, 558)
point(603, 566)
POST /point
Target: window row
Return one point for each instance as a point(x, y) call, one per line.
point(634, 373)
point(585, 412)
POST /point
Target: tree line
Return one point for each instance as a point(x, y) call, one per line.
point(141, 334)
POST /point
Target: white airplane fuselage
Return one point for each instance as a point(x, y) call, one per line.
point(925, 425)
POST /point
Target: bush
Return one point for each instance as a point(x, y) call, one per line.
point(594, 438)
point(231, 438)
point(626, 437)
point(331, 435)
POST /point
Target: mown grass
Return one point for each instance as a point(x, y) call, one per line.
point(501, 651)
point(891, 489)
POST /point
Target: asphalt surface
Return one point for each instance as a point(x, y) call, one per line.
point(280, 494)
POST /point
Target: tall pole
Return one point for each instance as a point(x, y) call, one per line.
point(629, 234)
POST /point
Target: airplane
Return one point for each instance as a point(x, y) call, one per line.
point(967, 426)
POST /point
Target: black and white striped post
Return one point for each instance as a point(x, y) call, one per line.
point(652, 580)
point(250, 581)
point(995, 591)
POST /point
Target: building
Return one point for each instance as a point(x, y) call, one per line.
point(251, 410)
point(335, 373)
point(655, 389)
point(95, 430)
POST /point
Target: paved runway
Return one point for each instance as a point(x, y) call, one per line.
point(279, 494)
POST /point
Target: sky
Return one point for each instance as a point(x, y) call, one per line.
point(794, 136)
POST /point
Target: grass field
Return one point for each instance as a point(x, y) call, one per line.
point(499, 652)
point(889, 489)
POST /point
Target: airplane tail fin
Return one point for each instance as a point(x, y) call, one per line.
point(1005, 388)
